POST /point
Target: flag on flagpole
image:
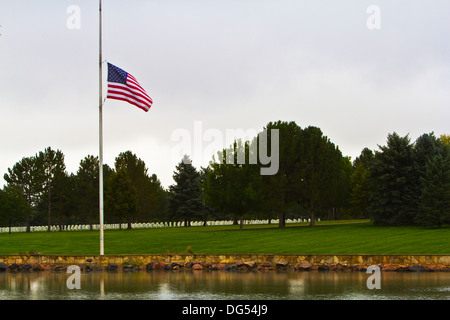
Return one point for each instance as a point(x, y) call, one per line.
point(123, 86)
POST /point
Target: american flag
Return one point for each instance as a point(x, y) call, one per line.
point(123, 86)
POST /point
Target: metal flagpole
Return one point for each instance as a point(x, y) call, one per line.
point(100, 102)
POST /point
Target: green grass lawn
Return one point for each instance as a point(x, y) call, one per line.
point(334, 237)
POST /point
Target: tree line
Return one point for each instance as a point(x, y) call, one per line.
point(39, 191)
point(402, 183)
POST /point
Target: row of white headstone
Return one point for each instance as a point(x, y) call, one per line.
point(145, 225)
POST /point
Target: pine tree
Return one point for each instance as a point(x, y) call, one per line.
point(186, 196)
point(392, 182)
point(435, 199)
point(426, 147)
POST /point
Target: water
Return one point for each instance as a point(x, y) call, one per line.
point(184, 285)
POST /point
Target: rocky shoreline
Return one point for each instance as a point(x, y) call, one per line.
point(248, 266)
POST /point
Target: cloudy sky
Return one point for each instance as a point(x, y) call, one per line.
point(223, 64)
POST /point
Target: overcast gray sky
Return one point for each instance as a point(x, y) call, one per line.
point(229, 64)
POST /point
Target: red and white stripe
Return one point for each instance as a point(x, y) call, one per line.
point(132, 92)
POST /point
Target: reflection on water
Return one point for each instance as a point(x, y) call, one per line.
point(162, 285)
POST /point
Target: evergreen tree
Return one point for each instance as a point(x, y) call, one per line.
point(392, 182)
point(426, 147)
point(185, 196)
point(435, 198)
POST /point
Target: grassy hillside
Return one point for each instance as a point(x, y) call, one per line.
point(343, 237)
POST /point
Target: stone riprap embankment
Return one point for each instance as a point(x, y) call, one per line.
point(207, 262)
